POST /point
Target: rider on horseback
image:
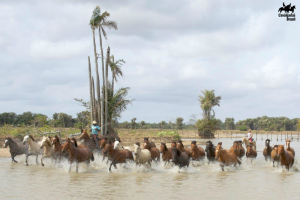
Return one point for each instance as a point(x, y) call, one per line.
point(95, 129)
point(249, 136)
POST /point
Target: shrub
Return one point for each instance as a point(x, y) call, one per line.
point(173, 134)
point(243, 128)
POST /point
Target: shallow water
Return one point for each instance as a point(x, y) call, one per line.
point(256, 180)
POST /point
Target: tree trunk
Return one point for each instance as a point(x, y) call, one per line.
point(112, 82)
point(98, 79)
point(94, 101)
point(91, 92)
point(106, 85)
point(103, 79)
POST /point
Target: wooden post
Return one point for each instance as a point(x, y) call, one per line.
point(91, 92)
point(94, 100)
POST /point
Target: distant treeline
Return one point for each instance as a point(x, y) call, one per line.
point(83, 119)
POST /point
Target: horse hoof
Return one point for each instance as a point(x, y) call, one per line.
point(26, 164)
point(43, 165)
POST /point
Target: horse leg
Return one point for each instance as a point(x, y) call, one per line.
point(70, 166)
point(42, 161)
point(115, 165)
point(27, 158)
point(36, 159)
point(273, 163)
point(77, 164)
point(13, 158)
point(222, 167)
point(109, 170)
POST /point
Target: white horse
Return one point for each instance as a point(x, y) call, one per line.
point(246, 141)
point(118, 146)
point(49, 150)
point(142, 156)
point(34, 148)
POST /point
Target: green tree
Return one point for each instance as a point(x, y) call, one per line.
point(207, 102)
point(133, 123)
point(179, 123)
point(229, 123)
point(115, 67)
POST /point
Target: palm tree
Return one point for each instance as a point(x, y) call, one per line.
point(208, 101)
point(115, 67)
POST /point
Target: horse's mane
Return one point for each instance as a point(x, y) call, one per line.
point(179, 141)
point(164, 146)
point(208, 141)
point(31, 137)
point(193, 142)
point(58, 140)
point(10, 139)
point(75, 142)
point(137, 143)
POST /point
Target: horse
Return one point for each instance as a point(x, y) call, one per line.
point(117, 156)
point(285, 8)
point(286, 157)
point(182, 148)
point(152, 144)
point(77, 154)
point(155, 154)
point(15, 149)
point(173, 144)
point(246, 141)
point(197, 153)
point(241, 148)
point(58, 154)
point(118, 145)
point(289, 148)
point(142, 156)
point(166, 153)
point(210, 151)
point(274, 156)
point(49, 150)
point(180, 158)
point(267, 150)
point(89, 142)
point(251, 152)
point(234, 149)
point(226, 158)
point(33, 149)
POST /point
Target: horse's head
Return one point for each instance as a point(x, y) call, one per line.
point(173, 144)
point(84, 135)
point(275, 149)
point(116, 144)
point(267, 143)
point(288, 142)
point(208, 146)
point(217, 151)
point(66, 145)
point(7, 141)
point(56, 141)
point(280, 149)
point(26, 138)
point(249, 149)
point(146, 145)
point(193, 145)
point(175, 154)
point(136, 148)
point(179, 144)
point(107, 149)
point(163, 147)
point(103, 142)
point(235, 146)
point(44, 142)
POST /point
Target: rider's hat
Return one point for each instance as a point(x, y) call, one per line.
point(94, 122)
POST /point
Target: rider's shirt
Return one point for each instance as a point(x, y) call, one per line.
point(249, 135)
point(95, 129)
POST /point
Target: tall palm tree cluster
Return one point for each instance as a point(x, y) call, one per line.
point(105, 104)
point(209, 123)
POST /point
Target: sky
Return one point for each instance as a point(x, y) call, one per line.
point(173, 50)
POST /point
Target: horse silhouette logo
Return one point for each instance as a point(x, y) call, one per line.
point(287, 8)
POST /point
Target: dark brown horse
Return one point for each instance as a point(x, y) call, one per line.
point(182, 148)
point(166, 153)
point(15, 149)
point(274, 156)
point(286, 157)
point(289, 148)
point(197, 153)
point(251, 152)
point(77, 154)
point(155, 155)
point(151, 144)
point(117, 156)
point(210, 151)
point(180, 158)
point(267, 150)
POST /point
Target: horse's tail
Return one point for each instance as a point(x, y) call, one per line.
point(92, 157)
point(239, 161)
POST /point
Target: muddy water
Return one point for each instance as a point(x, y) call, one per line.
point(256, 180)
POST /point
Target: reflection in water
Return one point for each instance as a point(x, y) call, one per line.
point(201, 180)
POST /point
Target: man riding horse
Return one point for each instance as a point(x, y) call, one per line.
point(95, 129)
point(249, 136)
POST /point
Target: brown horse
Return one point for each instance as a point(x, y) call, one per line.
point(241, 148)
point(152, 144)
point(173, 144)
point(58, 154)
point(88, 141)
point(251, 152)
point(182, 148)
point(155, 155)
point(274, 156)
point(197, 153)
point(289, 148)
point(286, 157)
point(166, 153)
point(267, 150)
point(77, 154)
point(226, 158)
point(235, 150)
point(117, 156)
